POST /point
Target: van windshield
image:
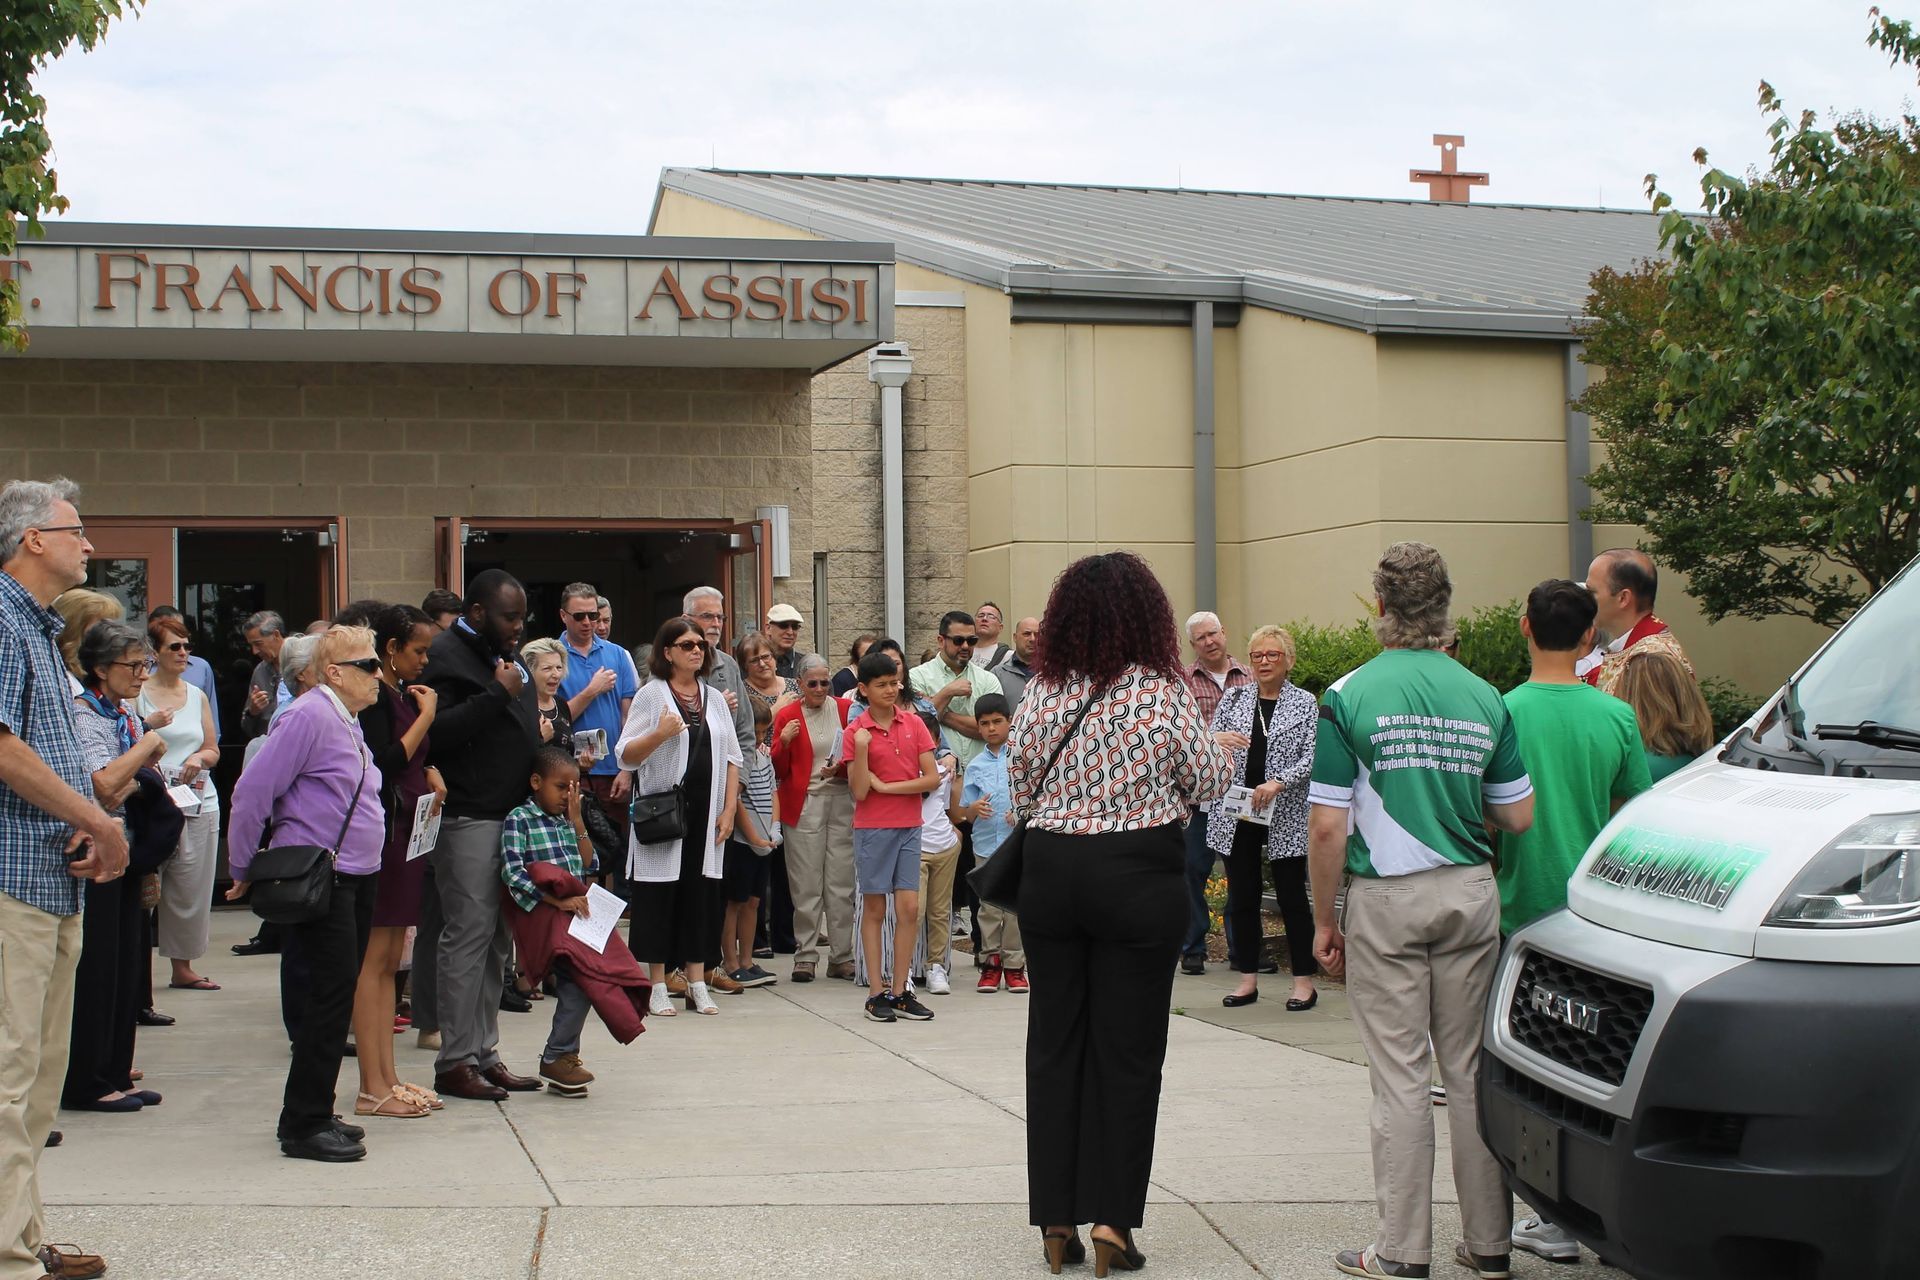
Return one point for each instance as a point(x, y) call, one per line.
point(1871, 671)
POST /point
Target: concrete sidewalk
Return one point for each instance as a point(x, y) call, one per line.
point(785, 1136)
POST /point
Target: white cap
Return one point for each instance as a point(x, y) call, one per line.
point(784, 613)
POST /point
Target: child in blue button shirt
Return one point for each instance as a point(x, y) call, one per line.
point(987, 801)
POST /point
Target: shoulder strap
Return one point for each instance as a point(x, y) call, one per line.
point(1040, 782)
point(354, 803)
point(26, 698)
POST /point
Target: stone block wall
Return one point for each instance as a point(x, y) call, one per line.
point(390, 446)
point(847, 494)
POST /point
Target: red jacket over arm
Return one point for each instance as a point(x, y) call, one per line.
point(612, 979)
point(793, 762)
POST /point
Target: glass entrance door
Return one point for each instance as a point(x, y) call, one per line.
point(136, 564)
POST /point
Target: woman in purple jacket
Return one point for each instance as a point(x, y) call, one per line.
point(313, 781)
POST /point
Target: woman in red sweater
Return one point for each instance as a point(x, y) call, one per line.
point(817, 810)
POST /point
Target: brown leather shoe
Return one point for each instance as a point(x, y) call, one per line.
point(843, 971)
point(725, 985)
point(498, 1074)
point(465, 1081)
point(803, 971)
point(676, 983)
point(66, 1262)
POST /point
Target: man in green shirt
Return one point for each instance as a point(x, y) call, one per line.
point(1582, 749)
point(953, 681)
point(1414, 757)
point(1583, 753)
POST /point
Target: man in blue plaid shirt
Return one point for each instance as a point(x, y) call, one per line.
point(52, 836)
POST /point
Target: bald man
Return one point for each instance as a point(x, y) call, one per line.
point(1624, 582)
point(1018, 669)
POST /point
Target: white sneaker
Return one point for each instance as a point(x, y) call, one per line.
point(1538, 1236)
point(937, 980)
point(960, 927)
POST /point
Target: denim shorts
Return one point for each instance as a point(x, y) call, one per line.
point(886, 859)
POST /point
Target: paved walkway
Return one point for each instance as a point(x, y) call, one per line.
point(786, 1136)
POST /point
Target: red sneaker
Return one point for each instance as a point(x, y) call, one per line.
point(989, 976)
point(1017, 981)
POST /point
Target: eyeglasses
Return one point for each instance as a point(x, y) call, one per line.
point(963, 641)
point(690, 646)
point(714, 616)
point(369, 665)
point(178, 646)
point(140, 667)
point(77, 530)
point(762, 657)
point(1266, 656)
point(785, 626)
point(590, 616)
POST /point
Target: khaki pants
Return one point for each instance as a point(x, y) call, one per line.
point(1420, 958)
point(38, 956)
point(186, 888)
point(1000, 931)
point(819, 847)
point(936, 906)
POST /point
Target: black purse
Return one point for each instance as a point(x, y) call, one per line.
point(662, 816)
point(997, 880)
point(293, 883)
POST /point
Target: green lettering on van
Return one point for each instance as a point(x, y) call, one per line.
point(1691, 869)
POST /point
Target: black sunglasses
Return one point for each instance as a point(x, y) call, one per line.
point(785, 626)
point(964, 640)
point(178, 646)
point(369, 665)
point(691, 646)
point(593, 616)
point(817, 684)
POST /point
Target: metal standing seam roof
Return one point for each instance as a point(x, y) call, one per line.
point(1385, 266)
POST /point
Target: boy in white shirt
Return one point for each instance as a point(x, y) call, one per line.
point(939, 860)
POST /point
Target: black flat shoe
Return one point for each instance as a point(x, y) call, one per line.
point(512, 1001)
point(255, 947)
point(125, 1102)
point(1192, 968)
point(1301, 1006)
point(329, 1146)
point(154, 1018)
point(147, 1097)
point(1237, 1001)
point(55, 1137)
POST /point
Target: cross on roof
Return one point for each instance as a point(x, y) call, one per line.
point(1447, 182)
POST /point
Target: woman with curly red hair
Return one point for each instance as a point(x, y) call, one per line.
point(1108, 753)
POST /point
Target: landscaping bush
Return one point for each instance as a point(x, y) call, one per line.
point(1730, 704)
point(1327, 653)
point(1491, 647)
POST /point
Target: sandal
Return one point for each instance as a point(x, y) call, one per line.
point(198, 984)
point(660, 1004)
point(395, 1106)
point(420, 1094)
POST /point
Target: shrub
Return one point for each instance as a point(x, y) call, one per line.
point(1327, 653)
point(1730, 704)
point(1492, 647)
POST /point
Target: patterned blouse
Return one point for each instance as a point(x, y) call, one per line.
point(1141, 758)
point(1289, 733)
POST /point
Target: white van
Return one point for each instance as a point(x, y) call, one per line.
point(1709, 1065)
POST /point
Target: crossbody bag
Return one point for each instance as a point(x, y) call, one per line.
point(997, 880)
point(293, 883)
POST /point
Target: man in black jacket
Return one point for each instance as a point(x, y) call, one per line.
point(482, 743)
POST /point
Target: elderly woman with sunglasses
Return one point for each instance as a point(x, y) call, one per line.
point(172, 707)
point(679, 733)
point(315, 784)
point(816, 808)
point(1269, 727)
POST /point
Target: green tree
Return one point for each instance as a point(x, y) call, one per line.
point(1760, 410)
point(33, 33)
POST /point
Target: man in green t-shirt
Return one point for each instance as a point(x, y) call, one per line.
point(1582, 749)
point(1583, 753)
point(1414, 757)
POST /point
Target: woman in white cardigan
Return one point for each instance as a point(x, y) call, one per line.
point(679, 733)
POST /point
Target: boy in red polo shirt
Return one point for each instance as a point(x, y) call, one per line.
point(890, 769)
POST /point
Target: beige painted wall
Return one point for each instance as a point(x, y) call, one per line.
point(1331, 444)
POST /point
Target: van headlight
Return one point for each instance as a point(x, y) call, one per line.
point(1869, 874)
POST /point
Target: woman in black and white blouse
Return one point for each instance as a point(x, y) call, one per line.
point(1269, 727)
point(1103, 903)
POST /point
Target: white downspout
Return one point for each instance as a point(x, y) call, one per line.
point(890, 365)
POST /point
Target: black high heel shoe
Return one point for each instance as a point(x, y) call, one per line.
point(1062, 1248)
point(1108, 1256)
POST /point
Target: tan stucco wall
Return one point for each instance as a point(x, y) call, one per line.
point(1331, 444)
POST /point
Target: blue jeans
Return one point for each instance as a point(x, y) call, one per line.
point(1199, 866)
point(570, 1011)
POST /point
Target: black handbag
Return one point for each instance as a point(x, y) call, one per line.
point(293, 883)
point(662, 816)
point(997, 880)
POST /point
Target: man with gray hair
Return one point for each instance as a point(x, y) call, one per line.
point(1414, 759)
point(708, 608)
point(1213, 672)
point(264, 633)
point(52, 836)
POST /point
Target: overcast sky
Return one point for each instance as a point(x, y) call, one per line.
point(536, 117)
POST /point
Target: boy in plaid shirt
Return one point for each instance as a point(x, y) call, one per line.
point(548, 827)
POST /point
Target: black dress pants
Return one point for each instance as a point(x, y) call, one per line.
point(332, 947)
point(106, 991)
point(1102, 917)
point(1244, 893)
